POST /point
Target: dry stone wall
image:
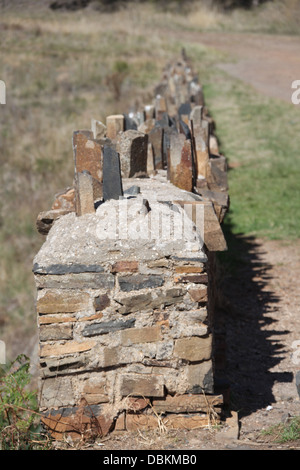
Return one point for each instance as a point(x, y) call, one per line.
point(125, 278)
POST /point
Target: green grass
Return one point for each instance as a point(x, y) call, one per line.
point(284, 433)
point(259, 137)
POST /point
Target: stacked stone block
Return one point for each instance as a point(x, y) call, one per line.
point(126, 325)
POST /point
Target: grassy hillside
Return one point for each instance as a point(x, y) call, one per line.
point(63, 68)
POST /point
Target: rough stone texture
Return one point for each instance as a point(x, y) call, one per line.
point(181, 170)
point(186, 403)
point(132, 146)
point(64, 200)
point(55, 301)
point(200, 378)
point(139, 385)
point(193, 349)
point(98, 129)
point(57, 332)
point(84, 193)
point(84, 420)
point(87, 154)
point(126, 291)
point(112, 181)
point(114, 125)
point(69, 347)
point(156, 139)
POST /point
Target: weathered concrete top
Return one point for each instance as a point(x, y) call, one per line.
point(144, 226)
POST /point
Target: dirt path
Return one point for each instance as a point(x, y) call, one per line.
point(268, 63)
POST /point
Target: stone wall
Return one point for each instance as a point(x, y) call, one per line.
point(126, 280)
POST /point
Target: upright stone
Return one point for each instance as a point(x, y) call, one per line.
point(196, 92)
point(84, 193)
point(156, 139)
point(115, 124)
point(87, 154)
point(181, 167)
point(201, 151)
point(88, 157)
point(98, 129)
point(160, 107)
point(112, 180)
point(150, 160)
point(184, 111)
point(196, 115)
point(132, 147)
point(149, 112)
point(129, 123)
point(184, 129)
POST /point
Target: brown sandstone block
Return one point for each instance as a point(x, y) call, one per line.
point(189, 269)
point(48, 319)
point(186, 403)
point(141, 335)
point(198, 295)
point(88, 420)
point(193, 349)
point(195, 279)
point(186, 421)
point(70, 347)
point(65, 200)
point(46, 219)
point(140, 385)
point(135, 404)
point(55, 332)
point(114, 125)
point(136, 422)
point(87, 154)
point(63, 302)
point(125, 266)
point(94, 391)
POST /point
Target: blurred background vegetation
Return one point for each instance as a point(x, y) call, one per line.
point(67, 61)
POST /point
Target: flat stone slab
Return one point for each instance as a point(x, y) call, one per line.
point(116, 231)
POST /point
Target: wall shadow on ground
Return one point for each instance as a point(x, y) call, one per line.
point(244, 311)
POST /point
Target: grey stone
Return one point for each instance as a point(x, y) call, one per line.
point(101, 302)
point(200, 378)
point(60, 269)
point(75, 281)
point(201, 259)
point(133, 190)
point(156, 139)
point(56, 332)
point(135, 303)
point(185, 130)
point(132, 146)
point(51, 367)
point(184, 109)
point(112, 181)
point(129, 123)
point(103, 328)
point(139, 281)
